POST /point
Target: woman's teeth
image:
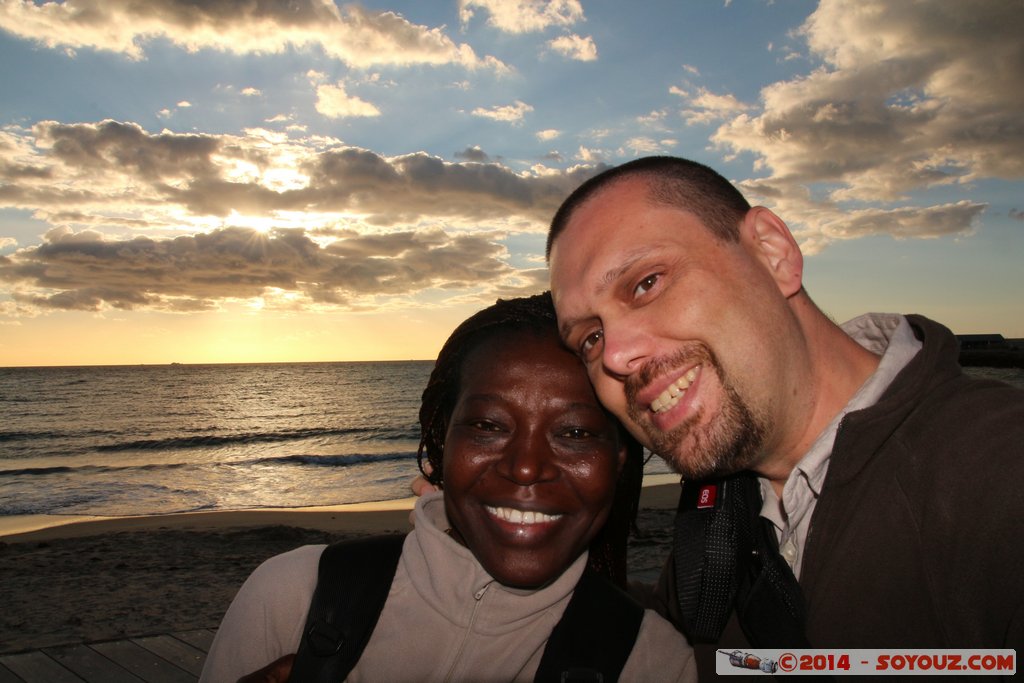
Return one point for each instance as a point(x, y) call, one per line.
point(521, 516)
point(674, 393)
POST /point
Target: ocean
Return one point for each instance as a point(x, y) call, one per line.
point(141, 440)
point(159, 439)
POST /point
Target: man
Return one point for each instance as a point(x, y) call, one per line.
point(891, 481)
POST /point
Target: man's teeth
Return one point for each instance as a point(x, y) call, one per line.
point(521, 516)
point(674, 393)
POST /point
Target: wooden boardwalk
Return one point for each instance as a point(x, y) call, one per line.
point(169, 658)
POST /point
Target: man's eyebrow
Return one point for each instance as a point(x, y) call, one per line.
point(606, 280)
point(629, 259)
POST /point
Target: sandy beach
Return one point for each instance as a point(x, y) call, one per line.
point(118, 577)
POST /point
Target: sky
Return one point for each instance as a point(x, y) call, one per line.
point(305, 180)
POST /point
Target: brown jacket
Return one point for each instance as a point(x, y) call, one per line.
point(917, 539)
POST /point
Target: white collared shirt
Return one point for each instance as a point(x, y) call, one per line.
point(885, 334)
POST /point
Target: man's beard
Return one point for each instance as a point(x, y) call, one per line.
point(732, 440)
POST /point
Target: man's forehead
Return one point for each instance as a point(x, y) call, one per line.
point(598, 268)
point(573, 300)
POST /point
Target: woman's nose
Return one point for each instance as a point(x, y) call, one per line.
point(528, 458)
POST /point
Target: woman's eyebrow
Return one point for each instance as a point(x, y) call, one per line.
point(481, 397)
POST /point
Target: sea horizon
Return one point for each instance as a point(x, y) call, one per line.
point(161, 439)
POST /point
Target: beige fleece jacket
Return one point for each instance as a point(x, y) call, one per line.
point(445, 619)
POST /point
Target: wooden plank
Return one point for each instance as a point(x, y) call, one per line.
point(36, 667)
point(143, 663)
point(89, 664)
point(200, 639)
point(7, 676)
point(181, 654)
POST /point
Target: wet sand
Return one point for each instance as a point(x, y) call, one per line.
point(114, 578)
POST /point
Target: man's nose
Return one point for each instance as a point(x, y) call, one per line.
point(625, 348)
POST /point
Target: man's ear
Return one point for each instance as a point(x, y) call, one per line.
point(769, 240)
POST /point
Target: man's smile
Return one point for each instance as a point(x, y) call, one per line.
point(675, 391)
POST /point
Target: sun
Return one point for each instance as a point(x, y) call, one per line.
point(260, 224)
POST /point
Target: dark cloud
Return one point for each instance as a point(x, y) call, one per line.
point(910, 96)
point(122, 166)
point(127, 148)
point(932, 221)
point(223, 14)
point(353, 34)
point(390, 191)
point(17, 172)
point(906, 97)
point(473, 154)
point(377, 232)
point(84, 271)
point(1017, 214)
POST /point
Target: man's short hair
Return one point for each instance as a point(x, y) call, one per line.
point(671, 181)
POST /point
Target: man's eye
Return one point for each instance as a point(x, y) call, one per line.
point(590, 343)
point(645, 285)
point(576, 433)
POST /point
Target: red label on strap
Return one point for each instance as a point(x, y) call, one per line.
point(707, 496)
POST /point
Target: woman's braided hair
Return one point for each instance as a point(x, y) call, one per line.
point(536, 314)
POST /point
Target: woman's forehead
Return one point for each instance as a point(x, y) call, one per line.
point(525, 356)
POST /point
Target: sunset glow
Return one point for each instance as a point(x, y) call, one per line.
point(324, 181)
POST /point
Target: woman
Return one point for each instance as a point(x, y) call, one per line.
point(528, 462)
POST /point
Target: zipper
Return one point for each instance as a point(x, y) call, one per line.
point(478, 599)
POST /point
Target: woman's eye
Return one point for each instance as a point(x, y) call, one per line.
point(485, 426)
point(645, 285)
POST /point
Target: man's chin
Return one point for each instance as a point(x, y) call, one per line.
point(691, 469)
point(696, 459)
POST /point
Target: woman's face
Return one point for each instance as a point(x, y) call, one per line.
point(530, 459)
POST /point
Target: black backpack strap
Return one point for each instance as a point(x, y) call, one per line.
point(353, 582)
point(595, 636)
point(727, 558)
point(705, 555)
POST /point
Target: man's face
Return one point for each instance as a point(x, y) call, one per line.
point(530, 459)
point(682, 333)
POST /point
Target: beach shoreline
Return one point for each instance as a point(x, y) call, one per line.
point(112, 578)
point(335, 518)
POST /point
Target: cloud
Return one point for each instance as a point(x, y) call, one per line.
point(708, 107)
point(175, 221)
point(590, 156)
point(114, 169)
point(642, 146)
point(575, 47)
point(84, 271)
point(333, 102)
point(511, 113)
point(127, 149)
point(932, 221)
point(357, 36)
point(523, 16)
point(907, 97)
point(548, 134)
point(1017, 214)
point(251, 92)
point(473, 154)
